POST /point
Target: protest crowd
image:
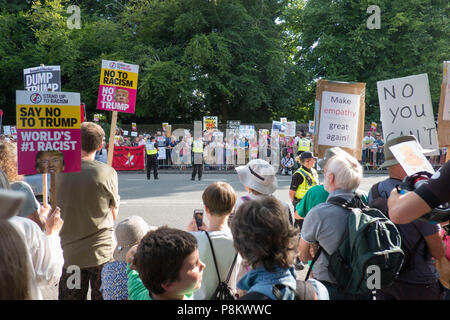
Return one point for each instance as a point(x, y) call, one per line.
point(253, 244)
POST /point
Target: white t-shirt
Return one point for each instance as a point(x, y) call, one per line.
point(45, 255)
point(224, 252)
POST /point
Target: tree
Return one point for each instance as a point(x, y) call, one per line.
point(335, 43)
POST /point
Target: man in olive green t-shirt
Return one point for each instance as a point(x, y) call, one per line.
point(89, 203)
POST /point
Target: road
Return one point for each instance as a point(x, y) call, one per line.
point(171, 200)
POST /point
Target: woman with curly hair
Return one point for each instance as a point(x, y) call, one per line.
point(264, 237)
point(31, 207)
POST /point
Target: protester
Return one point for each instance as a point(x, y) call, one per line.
point(267, 241)
point(31, 207)
point(317, 194)
point(129, 232)
point(164, 266)
point(89, 204)
point(326, 224)
point(219, 199)
point(258, 178)
point(418, 279)
point(412, 205)
point(15, 277)
point(287, 164)
point(152, 148)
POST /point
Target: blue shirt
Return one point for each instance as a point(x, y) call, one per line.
point(114, 281)
point(260, 280)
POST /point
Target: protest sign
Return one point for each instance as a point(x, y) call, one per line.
point(311, 126)
point(49, 134)
point(443, 127)
point(290, 129)
point(276, 125)
point(341, 117)
point(164, 125)
point(373, 126)
point(210, 122)
point(411, 158)
point(233, 124)
point(7, 130)
point(14, 132)
point(246, 131)
point(133, 126)
point(406, 109)
point(125, 132)
point(118, 86)
point(129, 158)
point(134, 133)
point(43, 78)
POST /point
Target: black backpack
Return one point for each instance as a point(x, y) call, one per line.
point(223, 291)
point(380, 203)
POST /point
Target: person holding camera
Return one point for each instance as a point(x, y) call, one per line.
point(219, 199)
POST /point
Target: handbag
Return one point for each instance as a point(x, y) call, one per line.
point(223, 291)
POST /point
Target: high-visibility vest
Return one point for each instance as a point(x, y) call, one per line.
point(304, 145)
point(309, 180)
point(150, 148)
point(198, 146)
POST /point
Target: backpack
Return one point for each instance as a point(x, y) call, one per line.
point(304, 291)
point(223, 291)
point(380, 203)
point(371, 239)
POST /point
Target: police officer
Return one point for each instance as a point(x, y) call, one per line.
point(197, 150)
point(152, 149)
point(303, 179)
point(304, 144)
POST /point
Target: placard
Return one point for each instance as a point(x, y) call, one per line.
point(411, 158)
point(443, 127)
point(48, 132)
point(341, 117)
point(43, 78)
point(406, 109)
point(118, 86)
point(311, 126)
point(210, 122)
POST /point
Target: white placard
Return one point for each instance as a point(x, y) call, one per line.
point(406, 109)
point(339, 114)
point(311, 126)
point(7, 130)
point(410, 157)
point(290, 129)
point(162, 153)
point(125, 132)
point(134, 134)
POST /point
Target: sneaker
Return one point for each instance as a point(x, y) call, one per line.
point(192, 179)
point(156, 178)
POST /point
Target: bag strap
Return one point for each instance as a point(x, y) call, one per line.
point(374, 191)
point(316, 256)
point(215, 262)
point(213, 254)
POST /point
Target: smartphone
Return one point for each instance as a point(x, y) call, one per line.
point(198, 216)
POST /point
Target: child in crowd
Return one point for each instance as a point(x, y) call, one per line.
point(219, 199)
point(268, 242)
point(129, 232)
point(167, 264)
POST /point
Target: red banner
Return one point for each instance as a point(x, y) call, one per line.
point(129, 158)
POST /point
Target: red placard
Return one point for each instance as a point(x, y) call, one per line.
point(129, 158)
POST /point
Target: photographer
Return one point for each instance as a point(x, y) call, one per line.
point(412, 205)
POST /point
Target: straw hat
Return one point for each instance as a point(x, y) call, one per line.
point(389, 159)
point(258, 175)
point(128, 233)
point(11, 202)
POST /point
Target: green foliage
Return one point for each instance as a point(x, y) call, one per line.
point(253, 60)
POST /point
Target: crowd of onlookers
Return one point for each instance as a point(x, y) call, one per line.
point(253, 242)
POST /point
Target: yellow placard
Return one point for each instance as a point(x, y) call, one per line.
point(48, 117)
point(118, 78)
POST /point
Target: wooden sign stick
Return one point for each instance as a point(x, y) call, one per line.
point(53, 190)
point(44, 189)
point(112, 134)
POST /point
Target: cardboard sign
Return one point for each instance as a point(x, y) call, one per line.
point(411, 158)
point(406, 109)
point(311, 126)
point(443, 128)
point(48, 132)
point(118, 86)
point(210, 123)
point(43, 78)
point(290, 129)
point(233, 124)
point(341, 117)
